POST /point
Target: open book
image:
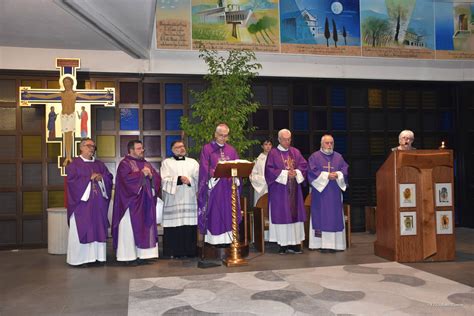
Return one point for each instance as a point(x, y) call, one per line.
point(236, 161)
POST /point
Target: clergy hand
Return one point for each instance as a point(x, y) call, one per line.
point(96, 177)
point(291, 173)
point(147, 172)
point(185, 180)
point(333, 176)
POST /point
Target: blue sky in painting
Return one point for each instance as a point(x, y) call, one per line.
point(422, 21)
point(444, 26)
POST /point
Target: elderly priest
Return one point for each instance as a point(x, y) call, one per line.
point(285, 171)
point(327, 175)
point(89, 188)
point(215, 194)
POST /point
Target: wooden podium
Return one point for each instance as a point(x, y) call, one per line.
point(415, 206)
point(234, 170)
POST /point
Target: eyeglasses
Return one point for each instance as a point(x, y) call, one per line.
point(90, 146)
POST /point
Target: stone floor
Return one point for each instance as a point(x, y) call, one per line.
point(385, 288)
point(35, 283)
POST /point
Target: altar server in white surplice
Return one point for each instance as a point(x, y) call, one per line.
point(257, 177)
point(179, 176)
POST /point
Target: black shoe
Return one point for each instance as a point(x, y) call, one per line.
point(322, 250)
point(295, 249)
point(283, 250)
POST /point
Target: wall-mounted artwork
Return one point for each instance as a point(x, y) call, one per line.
point(419, 29)
point(225, 24)
point(398, 28)
point(407, 195)
point(407, 223)
point(173, 24)
point(320, 27)
point(444, 222)
point(454, 30)
point(443, 194)
point(68, 109)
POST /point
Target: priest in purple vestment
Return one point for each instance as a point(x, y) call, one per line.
point(215, 194)
point(285, 171)
point(328, 176)
point(137, 187)
point(89, 189)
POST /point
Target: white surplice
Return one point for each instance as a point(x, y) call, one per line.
point(180, 201)
point(257, 178)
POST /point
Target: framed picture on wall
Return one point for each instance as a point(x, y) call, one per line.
point(443, 194)
point(444, 222)
point(407, 223)
point(407, 194)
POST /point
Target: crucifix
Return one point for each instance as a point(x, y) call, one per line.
point(66, 101)
point(328, 167)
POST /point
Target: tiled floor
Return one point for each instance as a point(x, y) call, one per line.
point(35, 283)
point(368, 289)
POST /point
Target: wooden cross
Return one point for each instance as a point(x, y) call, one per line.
point(69, 109)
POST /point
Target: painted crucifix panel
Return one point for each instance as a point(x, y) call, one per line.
point(68, 109)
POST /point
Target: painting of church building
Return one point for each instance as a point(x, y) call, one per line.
point(236, 24)
point(402, 29)
point(320, 27)
point(300, 25)
point(463, 37)
point(454, 30)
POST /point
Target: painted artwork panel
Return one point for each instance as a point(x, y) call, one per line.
point(320, 27)
point(398, 28)
point(173, 24)
point(407, 223)
point(443, 194)
point(444, 222)
point(407, 195)
point(245, 24)
point(454, 30)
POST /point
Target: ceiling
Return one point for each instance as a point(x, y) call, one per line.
point(125, 25)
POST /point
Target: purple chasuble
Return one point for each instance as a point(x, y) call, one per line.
point(215, 205)
point(326, 207)
point(139, 194)
point(91, 215)
point(286, 202)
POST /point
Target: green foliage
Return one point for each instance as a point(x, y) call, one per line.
point(227, 99)
point(261, 27)
point(376, 31)
point(209, 32)
point(327, 33)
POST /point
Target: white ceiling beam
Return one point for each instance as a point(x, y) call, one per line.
point(88, 15)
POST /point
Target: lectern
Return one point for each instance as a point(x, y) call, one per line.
point(415, 206)
point(234, 170)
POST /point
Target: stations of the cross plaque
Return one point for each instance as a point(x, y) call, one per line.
point(68, 109)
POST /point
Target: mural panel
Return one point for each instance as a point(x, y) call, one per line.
point(320, 27)
point(398, 28)
point(225, 24)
